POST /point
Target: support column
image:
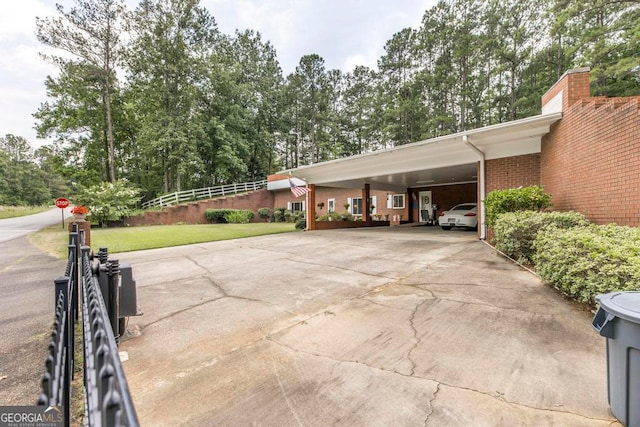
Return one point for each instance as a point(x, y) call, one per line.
point(366, 200)
point(84, 226)
point(311, 207)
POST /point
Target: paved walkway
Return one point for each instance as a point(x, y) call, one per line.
point(403, 326)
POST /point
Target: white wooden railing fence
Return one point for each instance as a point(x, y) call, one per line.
point(203, 193)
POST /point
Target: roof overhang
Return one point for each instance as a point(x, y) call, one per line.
point(439, 161)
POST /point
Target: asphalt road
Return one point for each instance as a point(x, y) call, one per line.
point(26, 307)
point(12, 228)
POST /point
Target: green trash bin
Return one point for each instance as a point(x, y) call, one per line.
point(618, 320)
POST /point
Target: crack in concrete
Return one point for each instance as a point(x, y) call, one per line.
point(435, 395)
point(271, 339)
point(522, 405)
point(383, 305)
point(225, 295)
point(424, 287)
point(499, 307)
point(417, 339)
point(337, 267)
point(448, 284)
point(175, 313)
point(438, 383)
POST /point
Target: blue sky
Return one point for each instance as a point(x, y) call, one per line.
point(345, 33)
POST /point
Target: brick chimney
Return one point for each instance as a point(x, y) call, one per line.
point(571, 87)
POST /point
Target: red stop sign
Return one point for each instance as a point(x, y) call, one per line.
point(62, 203)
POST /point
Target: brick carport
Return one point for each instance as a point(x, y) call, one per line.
point(393, 326)
point(486, 155)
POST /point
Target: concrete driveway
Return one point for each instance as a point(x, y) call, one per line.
point(387, 326)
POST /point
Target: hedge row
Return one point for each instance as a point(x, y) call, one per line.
point(589, 260)
point(231, 216)
point(581, 259)
point(515, 232)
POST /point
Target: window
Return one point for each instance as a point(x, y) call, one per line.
point(295, 206)
point(395, 201)
point(331, 205)
point(356, 206)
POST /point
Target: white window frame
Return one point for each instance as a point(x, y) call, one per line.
point(291, 204)
point(393, 204)
point(331, 205)
point(352, 206)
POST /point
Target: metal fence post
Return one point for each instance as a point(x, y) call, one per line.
point(113, 273)
point(74, 245)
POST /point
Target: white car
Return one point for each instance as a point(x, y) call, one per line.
point(462, 215)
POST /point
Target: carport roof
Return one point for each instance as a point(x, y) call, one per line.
point(437, 161)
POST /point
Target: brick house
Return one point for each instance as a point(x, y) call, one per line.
point(585, 151)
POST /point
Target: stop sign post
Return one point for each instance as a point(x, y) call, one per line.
point(62, 203)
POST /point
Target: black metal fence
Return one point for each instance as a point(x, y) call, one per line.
point(107, 401)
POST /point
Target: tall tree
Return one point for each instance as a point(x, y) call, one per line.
point(90, 32)
point(17, 148)
point(75, 114)
point(307, 89)
point(604, 35)
point(258, 73)
point(359, 112)
point(172, 40)
point(397, 73)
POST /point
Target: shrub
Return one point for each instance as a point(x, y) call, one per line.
point(515, 232)
point(217, 216)
point(301, 224)
point(109, 201)
point(239, 216)
point(278, 214)
point(515, 199)
point(331, 216)
point(225, 216)
point(586, 261)
point(265, 213)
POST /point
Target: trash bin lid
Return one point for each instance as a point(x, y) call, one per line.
point(625, 305)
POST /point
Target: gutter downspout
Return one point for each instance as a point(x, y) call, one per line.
point(481, 183)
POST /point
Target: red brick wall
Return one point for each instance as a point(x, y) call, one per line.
point(193, 213)
point(512, 172)
point(574, 83)
point(591, 160)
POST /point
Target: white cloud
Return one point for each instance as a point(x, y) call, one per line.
point(18, 18)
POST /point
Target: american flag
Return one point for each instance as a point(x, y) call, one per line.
point(298, 191)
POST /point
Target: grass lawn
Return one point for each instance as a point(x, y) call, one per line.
point(14, 211)
point(53, 240)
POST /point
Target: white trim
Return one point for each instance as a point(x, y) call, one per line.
point(398, 168)
point(404, 201)
point(482, 184)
